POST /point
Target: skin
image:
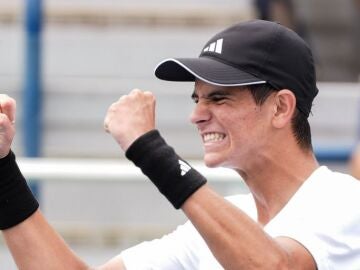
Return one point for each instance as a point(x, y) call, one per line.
point(7, 120)
point(248, 137)
point(354, 164)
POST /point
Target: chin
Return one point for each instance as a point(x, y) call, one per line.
point(213, 161)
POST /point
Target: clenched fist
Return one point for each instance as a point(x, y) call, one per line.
point(7, 120)
point(130, 117)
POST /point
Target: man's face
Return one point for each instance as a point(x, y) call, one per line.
point(232, 127)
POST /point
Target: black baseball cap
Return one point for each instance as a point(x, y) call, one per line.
point(252, 52)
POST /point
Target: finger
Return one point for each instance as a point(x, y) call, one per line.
point(5, 124)
point(135, 91)
point(106, 127)
point(8, 107)
point(149, 94)
point(106, 124)
point(2, 99)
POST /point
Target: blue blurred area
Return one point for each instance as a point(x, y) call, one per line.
point(32, 92)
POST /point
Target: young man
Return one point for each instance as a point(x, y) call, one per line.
point(254, 87)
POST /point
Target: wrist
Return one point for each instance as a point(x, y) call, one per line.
point(131, 138)
point(17, 202)
point(173, 176)
point(4, 156)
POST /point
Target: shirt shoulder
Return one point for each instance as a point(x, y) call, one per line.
point(322, 216)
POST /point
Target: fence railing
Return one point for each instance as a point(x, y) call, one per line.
point(50, 169)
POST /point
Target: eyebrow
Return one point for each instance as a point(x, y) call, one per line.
point(215, 92)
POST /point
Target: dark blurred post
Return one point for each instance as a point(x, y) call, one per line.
point(356, 39)
point(32, 96)
point(282, 11)
point(263, 9)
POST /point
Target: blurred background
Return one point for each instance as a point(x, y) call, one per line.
point(66, 61)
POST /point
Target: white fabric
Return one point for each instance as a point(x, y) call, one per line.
point(323, 216)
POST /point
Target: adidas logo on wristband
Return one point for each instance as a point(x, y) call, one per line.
point(184, 167)
point(174, 178)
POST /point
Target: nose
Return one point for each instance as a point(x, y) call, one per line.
point(200, 114)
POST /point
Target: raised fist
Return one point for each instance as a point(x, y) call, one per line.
point(130, 117)
point(7, 121)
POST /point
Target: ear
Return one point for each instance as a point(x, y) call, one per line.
point(284, 108)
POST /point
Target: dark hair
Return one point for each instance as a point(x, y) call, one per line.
point(299, 122)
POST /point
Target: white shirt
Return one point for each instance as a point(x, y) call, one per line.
point(323, 215)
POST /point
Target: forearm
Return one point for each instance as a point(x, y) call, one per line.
point(235, 239)
point(31, 240)
point(35, 245)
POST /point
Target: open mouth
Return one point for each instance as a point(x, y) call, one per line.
point(213, 137)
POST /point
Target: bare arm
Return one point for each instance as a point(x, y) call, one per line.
point(237, 241)
point(33, 243)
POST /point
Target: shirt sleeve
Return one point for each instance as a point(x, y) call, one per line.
point(175, 251)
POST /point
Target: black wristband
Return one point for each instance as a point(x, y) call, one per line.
point(17, 202)
point(174, 178)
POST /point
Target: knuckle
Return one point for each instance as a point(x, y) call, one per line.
point(3, 119)
point(3, 96)
point(121, 99)
point(149, 94)
point(135, 92)
point(113, 107)
point(12, 101)
point(150, 97)
point(7, 99)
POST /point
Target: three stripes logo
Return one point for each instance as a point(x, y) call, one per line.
point(184, 168)
point(215, 46)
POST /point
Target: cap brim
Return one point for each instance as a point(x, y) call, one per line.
point(204, 69)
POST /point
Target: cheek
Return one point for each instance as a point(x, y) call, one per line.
point(246, 129)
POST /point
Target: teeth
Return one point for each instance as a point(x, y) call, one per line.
point(213, 137)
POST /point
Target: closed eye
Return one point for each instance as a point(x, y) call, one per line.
point(195, 98)
point(217, 98)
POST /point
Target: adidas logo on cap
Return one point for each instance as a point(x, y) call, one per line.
point(215, 46)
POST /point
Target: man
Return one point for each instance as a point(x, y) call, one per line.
point(254, 87)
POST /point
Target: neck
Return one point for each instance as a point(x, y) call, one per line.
point(281, 175)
